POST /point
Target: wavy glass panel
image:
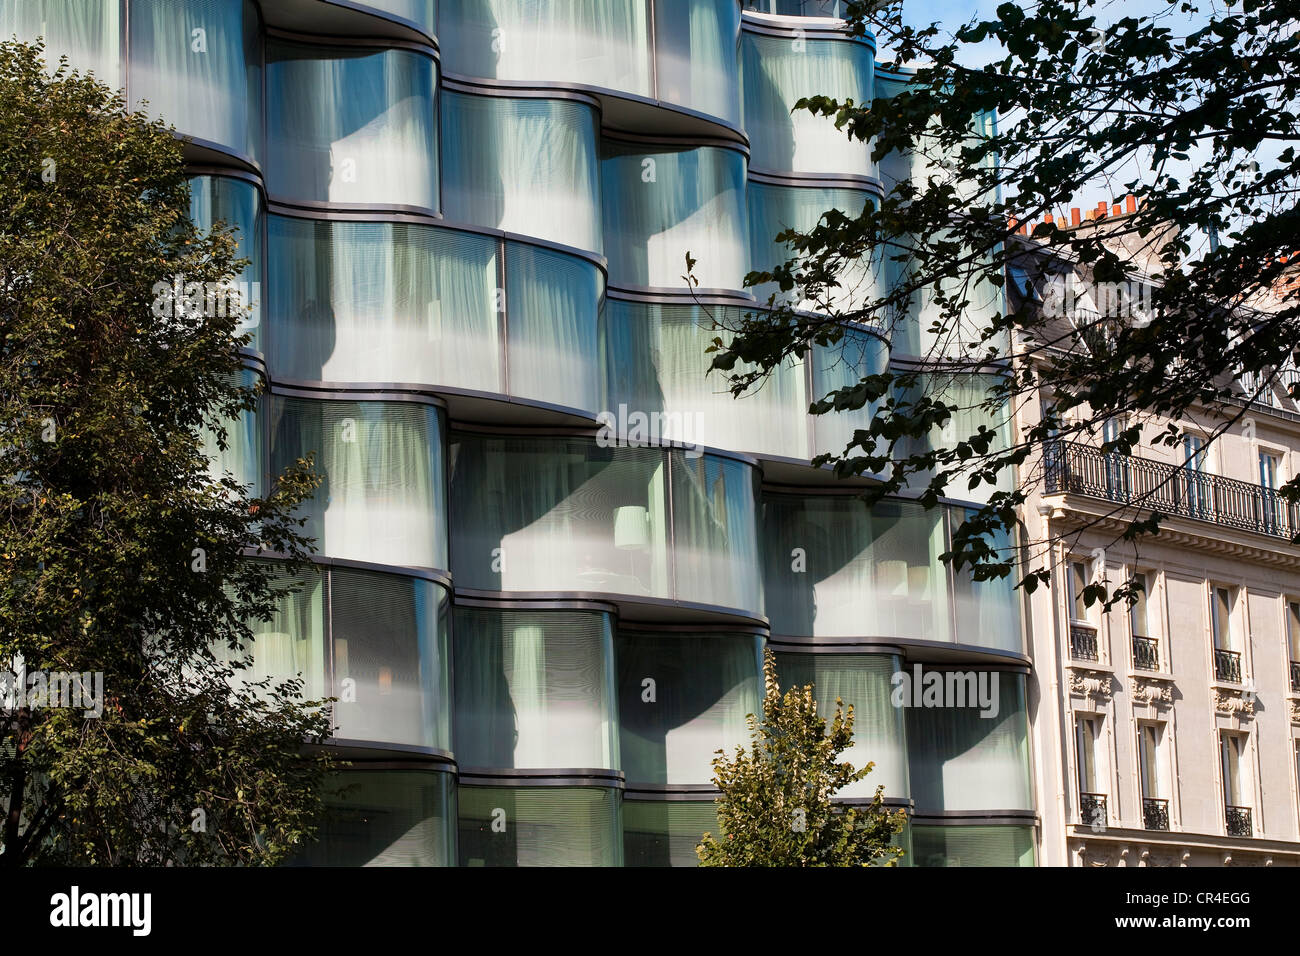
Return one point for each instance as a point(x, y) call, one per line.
point(381, 498)
point(535, 689)
point(540, 826)
point(660, 204)
point(87, 32)
point(384, 302)
point(779, 71)
point(198, 63)
point(527, 166)
point(681, 698)
point(352, 126)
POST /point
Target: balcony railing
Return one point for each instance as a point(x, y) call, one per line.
point(1083, 641)
point(1155, 813)
point(1238, 820)
point(1168, 489)
point(1092, 809)
point(1146, 654)
point(1295, 676)
point(1227, 665)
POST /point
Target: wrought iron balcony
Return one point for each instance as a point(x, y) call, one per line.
point(1092, 809)
point(1227, 665)
point(1295, 676)
point(1083, 641)
point(1155, 813)
point(1146, 654)
point(1168, 489)
point(1238, 820)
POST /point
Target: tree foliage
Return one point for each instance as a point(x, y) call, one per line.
point(122, 558)
point(1191, 110)
point(776, 808)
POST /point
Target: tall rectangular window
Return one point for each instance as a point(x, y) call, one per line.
point(1149, 741)
point(1137, 612)
point(1271, 511)
point(1232, 750)
point(1221, 618)
point(1198, 486)
point(1088, 732)
point(1079, 579)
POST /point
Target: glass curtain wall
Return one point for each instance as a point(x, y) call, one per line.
point(540, 826)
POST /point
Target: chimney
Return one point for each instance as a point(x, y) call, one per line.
point(1102, 209)
point(1117, 210)
point(1060, 223)
point(1092, 214)
point(1130, 204)
point(1074, 216)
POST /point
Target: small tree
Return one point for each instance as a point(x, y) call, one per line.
point(776, 809)
point(123, 562)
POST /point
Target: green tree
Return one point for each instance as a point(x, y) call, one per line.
point(1193, 111)
point(775, 807)
point(122, 558)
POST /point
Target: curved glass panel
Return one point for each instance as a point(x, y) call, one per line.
point(696, 48)
point(242, 456)
point(843, 365)
point(774, 209)
point(879, 731)
point(198, 63)
point(972, 845)
point(681, 698)
point(715, 537)
point(559, 514)
point(391, 672)
point(988, 612)
point(87, 32)
point(666, 832)
point(352, 126)
point(973, 757)
point(383, 302)
point(661, 203)
point(386, 818)
point(779, 71)
point(965, 393)
point(540, 826)
point(237, 203)
point(837, 568)
point(381, 498)
point(535, 689)
point(527, 166)
point(603, 43)
point(552, 308)
point(292, 643)
point(656, 364)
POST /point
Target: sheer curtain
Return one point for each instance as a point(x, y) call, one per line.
point(714, 531)
point(199, 66)
point(86, 31)
point(988, 614)
point(352, 126)
point(962, 761)
point(381, 499)
point(554, 302)
point(879, 734)
point(660, 205)
point(604, 43)
point(843, 365)
point(910, 591)
point(238, 204)
point(696, 43)
point(383, 302)
point(292, 643)
point(243, 454)
point(778, 72)
point(523, 165)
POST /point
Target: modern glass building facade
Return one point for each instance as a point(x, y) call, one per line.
point(468, 221)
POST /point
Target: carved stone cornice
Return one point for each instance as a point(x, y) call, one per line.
point(1158, 693)
point(1071, 510)
point(1090, 683)
point(1234, 703)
